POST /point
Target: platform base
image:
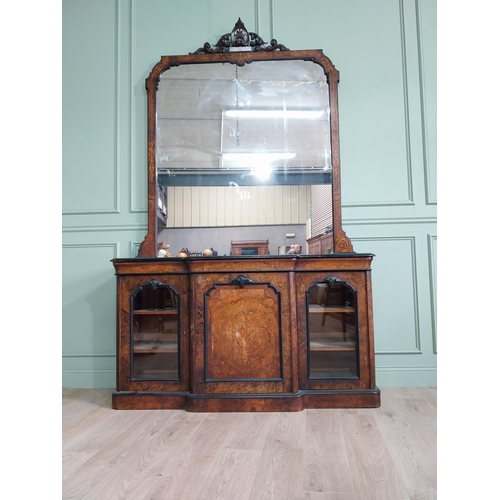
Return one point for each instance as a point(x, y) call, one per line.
point(362, 398)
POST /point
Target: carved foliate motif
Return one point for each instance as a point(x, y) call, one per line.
point(241, 281)
point(240, 39)
point(153, 284)
point(330, 280)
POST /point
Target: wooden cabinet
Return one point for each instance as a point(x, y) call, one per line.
point(250, 247)
point(267, 334)
point(249, 331)
point(323, 243)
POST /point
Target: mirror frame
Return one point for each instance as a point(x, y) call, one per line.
point(241, 47)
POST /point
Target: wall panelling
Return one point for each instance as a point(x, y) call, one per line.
point(385, 51)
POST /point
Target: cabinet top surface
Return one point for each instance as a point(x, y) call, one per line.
point(330, 256)
point(261, 263)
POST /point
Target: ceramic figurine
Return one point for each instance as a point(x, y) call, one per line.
point(162, 249)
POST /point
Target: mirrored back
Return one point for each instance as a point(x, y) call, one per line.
point(242, 145)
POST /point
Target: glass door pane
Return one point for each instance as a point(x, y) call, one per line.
point(155, 333)
point(332, 331)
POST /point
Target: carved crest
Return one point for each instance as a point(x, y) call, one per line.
point(241, 281)
point(331, 280)
point(240, 39)
point(153, 284)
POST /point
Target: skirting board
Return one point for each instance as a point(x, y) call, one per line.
point(403, 376)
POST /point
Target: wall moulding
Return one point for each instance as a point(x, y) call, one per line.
point(390, 221)
point(104, 228)
point(432, 250)
point(383, 286)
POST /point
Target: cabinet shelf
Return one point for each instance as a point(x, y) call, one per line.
point(155, 311)
point(160, 374)
point(158, 347)
point(157, 337)
point(325, 344)
point(317, 309)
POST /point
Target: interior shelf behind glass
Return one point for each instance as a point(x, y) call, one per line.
point(332, 331)
point(155, 334)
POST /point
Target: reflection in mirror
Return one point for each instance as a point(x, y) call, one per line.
point(243, 153)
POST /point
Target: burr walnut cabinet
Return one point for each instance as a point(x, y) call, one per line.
point(244, 331)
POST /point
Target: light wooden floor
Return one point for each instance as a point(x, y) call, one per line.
point(387, 453)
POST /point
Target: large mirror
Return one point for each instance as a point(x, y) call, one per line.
point(243, 151)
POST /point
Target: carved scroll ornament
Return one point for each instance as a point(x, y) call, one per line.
point(240, 39)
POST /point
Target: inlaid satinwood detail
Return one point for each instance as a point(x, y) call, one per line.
point(243, 333)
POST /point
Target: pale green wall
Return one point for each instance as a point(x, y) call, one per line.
point(385, 51)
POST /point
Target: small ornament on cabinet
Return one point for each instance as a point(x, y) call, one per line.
point(162, 249)
point(184, 253)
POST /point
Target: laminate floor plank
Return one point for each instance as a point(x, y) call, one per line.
point(85, 400)
point(237, 463)
point(78, 451)
point(146, 463)
point(87, 419)
point(415, 410)
point(232, 475)
point(373, 471)
point(318, 495)
point(409, 430)
point(387, 453)
point(326, 466)
point(250, 431)
point(280, 473)
point(429, 393)
point(421, 415)
point(183, 475)
point(71, 395)
point(114, 455)
point(422, 494)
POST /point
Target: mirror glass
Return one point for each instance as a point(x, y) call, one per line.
point(243, 153)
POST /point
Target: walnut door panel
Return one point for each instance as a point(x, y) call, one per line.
point(241, 333)
point(243, 342)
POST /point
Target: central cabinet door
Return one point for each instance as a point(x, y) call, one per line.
point(242, 334)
